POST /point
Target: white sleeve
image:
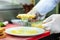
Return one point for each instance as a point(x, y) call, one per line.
point(45, 6)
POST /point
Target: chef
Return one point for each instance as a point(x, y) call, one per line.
point(53, 21)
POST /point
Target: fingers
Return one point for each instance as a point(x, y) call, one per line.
point(48, 24)
point(50, 18)
point(48, 21)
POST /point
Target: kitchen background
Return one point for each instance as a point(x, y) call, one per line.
point(9, 9)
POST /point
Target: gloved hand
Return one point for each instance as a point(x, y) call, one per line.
point(53, 22)
point(38, 15)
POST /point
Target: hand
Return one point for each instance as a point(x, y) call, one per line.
point(53, 22)
point(37, 17)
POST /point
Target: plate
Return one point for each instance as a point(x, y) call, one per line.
point(24, 31)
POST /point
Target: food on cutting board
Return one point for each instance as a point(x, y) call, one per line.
point(2, 34)
point(21, 31)
point(26, 16)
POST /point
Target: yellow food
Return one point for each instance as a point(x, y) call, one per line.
point(25, 16)
point(16, 31)
point(2, 33)
point(31, 32)
point(37, 25)
point(2, 30)
point(27, 32)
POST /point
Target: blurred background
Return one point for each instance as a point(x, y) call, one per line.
point(9, 9)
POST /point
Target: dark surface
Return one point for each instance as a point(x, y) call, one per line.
point(8, 14)
point(52, 37)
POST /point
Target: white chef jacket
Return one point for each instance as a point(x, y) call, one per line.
point(45, 6)
point(52, 23)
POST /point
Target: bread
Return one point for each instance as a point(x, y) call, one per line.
point(3, 36)
point(2, 33)
point(2, 30)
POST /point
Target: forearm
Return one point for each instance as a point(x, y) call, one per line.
point(44, 6)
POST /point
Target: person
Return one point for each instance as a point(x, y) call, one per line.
point(43, 7)
point(53, 21)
